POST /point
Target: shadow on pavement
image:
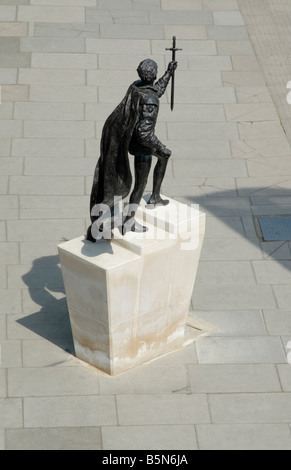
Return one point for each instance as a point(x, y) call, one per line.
point(239, 214)
point(52, 321)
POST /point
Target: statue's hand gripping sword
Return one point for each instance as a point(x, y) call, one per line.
point(173, 49)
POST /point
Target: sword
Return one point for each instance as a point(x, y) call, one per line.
point(173, 49)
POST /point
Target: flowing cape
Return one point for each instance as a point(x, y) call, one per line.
point(112, 176)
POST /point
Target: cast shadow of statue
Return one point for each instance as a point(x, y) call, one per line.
point(46, 291)
point(239, 213)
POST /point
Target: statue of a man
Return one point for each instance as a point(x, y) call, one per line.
point(131, 128)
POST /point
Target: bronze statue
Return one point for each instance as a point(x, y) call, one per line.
point(131, 128)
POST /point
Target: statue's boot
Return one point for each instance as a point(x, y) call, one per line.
point(89, 236)
point(156, 201)
point(131, 225)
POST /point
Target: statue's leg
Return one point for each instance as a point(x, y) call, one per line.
point(102, 217)
point(159, 174)
point(102, 224)
point(142, 165)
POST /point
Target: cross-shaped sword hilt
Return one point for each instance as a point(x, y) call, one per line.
point(173, 49)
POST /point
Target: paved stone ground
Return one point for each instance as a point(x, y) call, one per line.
point(64, 64)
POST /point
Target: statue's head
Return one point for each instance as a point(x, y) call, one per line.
point(147, 70)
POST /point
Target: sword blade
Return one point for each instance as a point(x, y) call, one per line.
point(173, 76)
point(173, 92)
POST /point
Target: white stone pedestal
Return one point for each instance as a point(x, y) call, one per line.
point(129, 298)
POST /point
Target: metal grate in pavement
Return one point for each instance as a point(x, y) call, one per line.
point(275, 228)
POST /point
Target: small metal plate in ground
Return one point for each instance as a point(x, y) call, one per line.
point(195, 329)
point(275, 228)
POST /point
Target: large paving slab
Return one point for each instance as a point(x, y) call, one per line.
point(64, 66)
